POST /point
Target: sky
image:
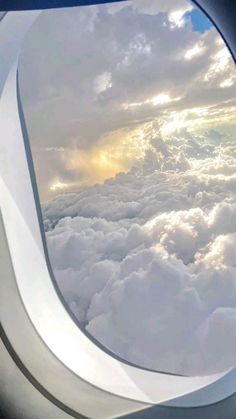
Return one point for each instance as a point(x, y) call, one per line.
point(130, 110)
point(200, 23)
point(91, 90)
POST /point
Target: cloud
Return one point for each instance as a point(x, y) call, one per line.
point(146, 260)
point(195, 51)
point(102, 82)
point(151, 7)
point(116, 68)
point(220, 253)
point(176, 17)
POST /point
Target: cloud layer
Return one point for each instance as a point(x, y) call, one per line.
point(136, 94)
point(147, 260)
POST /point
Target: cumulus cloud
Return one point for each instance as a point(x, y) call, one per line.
point(146, 260)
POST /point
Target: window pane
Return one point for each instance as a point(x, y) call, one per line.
point(130, 109)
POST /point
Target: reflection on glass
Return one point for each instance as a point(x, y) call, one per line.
point(130, 109)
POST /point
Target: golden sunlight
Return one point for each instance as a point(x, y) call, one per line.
point(114, 153)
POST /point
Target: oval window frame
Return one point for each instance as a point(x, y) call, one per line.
point(21, 211)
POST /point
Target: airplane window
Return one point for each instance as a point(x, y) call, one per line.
point(130, 109)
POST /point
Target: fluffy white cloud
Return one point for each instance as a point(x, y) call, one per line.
point(220, 253)
point(176, 16)
point(146, 261)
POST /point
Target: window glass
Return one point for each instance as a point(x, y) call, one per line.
point(130, 109)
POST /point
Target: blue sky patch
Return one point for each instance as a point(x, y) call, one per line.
point(199, 21)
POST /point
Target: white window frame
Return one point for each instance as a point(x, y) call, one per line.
point(64, 360)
